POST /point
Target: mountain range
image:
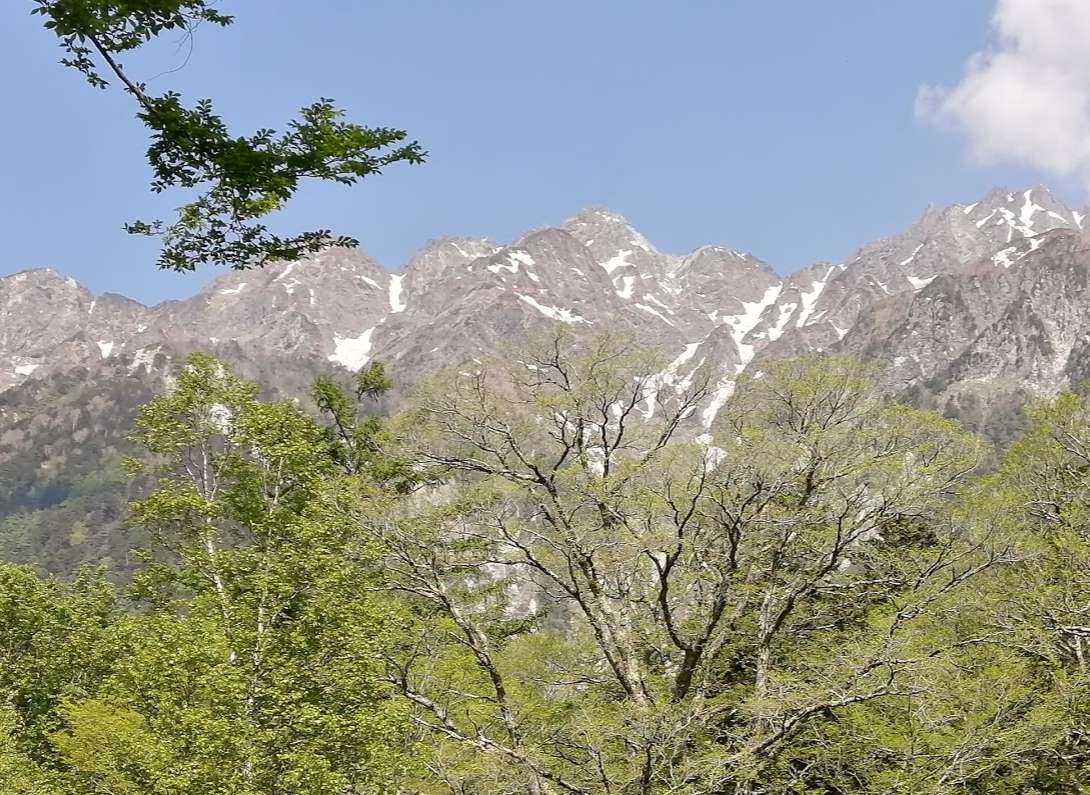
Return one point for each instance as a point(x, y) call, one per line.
point(983, 291)
point(988, 297)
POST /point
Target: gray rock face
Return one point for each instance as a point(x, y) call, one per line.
point(441, 259)
point(987, 290)
point(1003, 225)
point(1026, 324)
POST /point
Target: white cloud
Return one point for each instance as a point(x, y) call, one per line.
point(1026, 101)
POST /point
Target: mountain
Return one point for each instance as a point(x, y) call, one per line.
point(971, 302)
point(461, 297)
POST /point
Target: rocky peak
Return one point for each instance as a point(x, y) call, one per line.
point(1027, 323)
point(41, 311)
point(616, 245)
point(1002, 227)
point(1006, 216)
point(442, 258)
point(43, 280)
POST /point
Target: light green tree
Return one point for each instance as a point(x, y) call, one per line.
point(55, 646)
point(19, 774)
point(1042, 614)
point(255, 665)
point(606, 604)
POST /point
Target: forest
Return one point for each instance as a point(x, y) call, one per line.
point(538, 578)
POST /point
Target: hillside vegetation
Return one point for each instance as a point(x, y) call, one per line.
point(538, 577)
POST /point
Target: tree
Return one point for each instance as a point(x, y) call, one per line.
point(19, 775)
point(55, 646)
point(243, 179)
point(1042, 488)
point(604, 604)
point(253, 666)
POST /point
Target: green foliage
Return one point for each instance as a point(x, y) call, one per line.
point(996, 414)
point(532, 583)
point(56, 647)
point(19, 775)
point(252, 662)
point(357, 438)
point(241, 179)
point(263, 627)
point(63, 490)
point(717, 615)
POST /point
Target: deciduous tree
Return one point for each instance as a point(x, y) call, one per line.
point(607, 603)
point(255, 664)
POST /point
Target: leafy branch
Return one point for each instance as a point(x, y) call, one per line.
point(241, 179)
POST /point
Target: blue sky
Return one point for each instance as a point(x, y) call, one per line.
point(782, 127)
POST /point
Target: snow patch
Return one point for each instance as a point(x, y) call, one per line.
point(145, 357)
point(104, 348)
point(742, 324)
point(1079, 218)
point(371, 281)
point(810, 298)
point(629, 283)
point(654, 312)
point(514, 259)
point(919, 284)
point(352, 352)
point(912, 256)
point(396, 302)
point(671, 288)
point(554, 312)
point(653, 300)
point(968, 209)
point(1029, 209)
point(786, 311)
point(619, 260)
point(26, 369)
point(723, 391)
point(234, 290)
point(686, 355)
point(1003, 257)
point(668, 377)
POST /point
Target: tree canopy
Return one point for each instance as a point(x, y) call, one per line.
point(542, 576)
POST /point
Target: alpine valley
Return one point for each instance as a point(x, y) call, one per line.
point(970, 309)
